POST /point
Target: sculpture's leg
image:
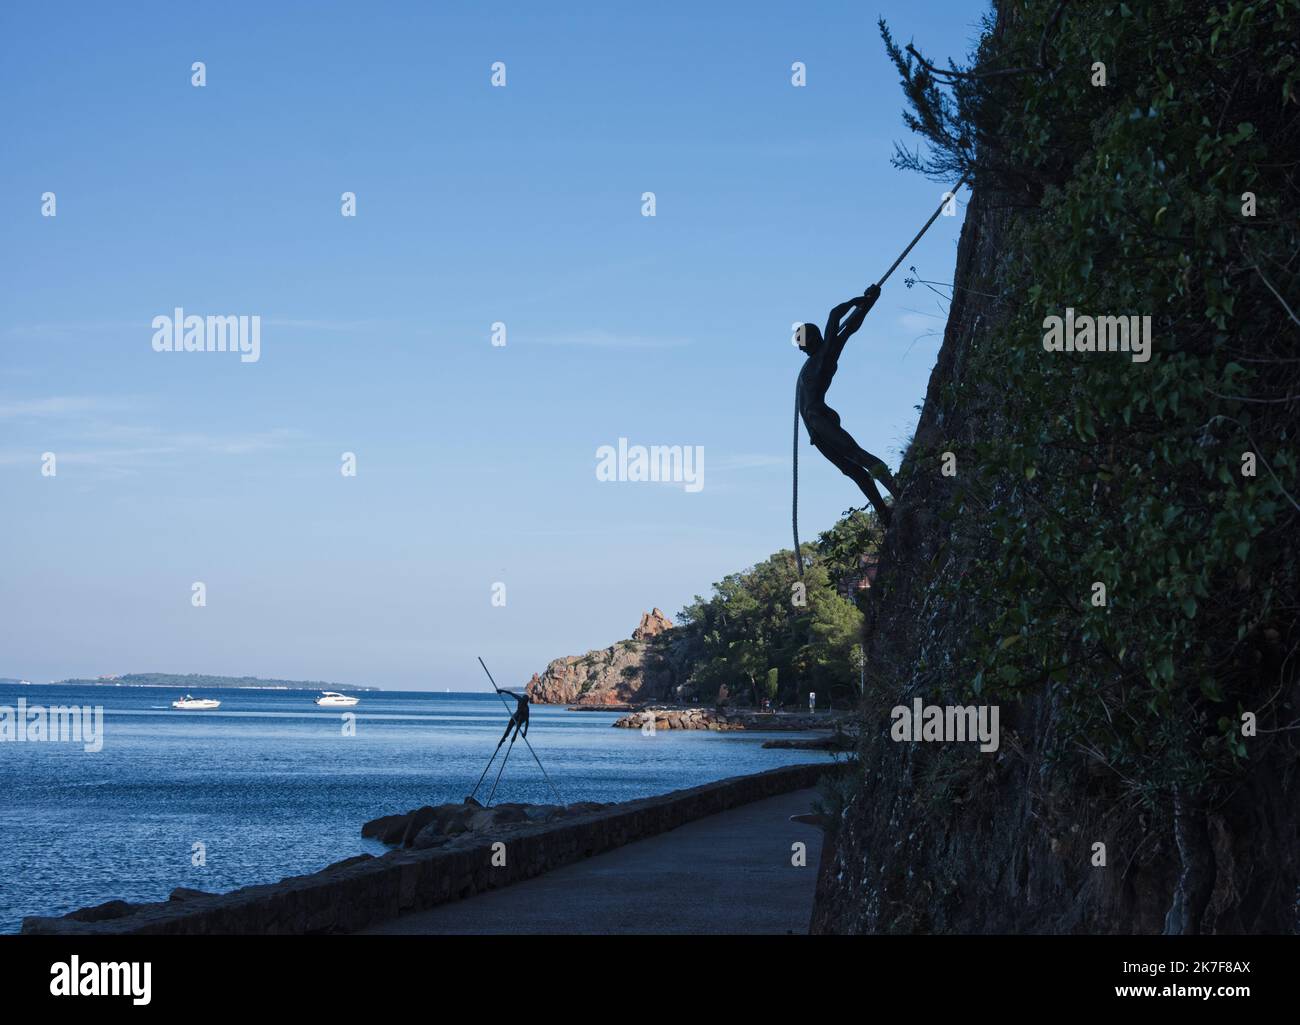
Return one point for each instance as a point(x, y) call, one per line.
point(855, 453)
point(836, 439)
point(878, 469)
point(859, 475)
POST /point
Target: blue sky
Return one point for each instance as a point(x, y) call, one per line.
point(476, 464)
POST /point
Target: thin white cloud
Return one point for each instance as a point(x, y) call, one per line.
point(749, 461)
point(60, 406)
point(57, 329)
point(604, 340)
point(342, 326)
point(143, 327)
point(116, 448)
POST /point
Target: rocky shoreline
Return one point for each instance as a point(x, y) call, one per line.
point(436, 826)
point(693, 718)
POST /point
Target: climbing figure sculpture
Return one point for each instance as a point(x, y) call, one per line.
point(822, 422)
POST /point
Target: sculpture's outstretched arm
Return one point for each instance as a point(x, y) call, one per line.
point(861, 306)
point(833, 320)
point(838, 334)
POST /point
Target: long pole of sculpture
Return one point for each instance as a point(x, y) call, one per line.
point(524, 736)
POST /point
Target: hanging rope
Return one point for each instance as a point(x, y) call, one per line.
point(794, 501)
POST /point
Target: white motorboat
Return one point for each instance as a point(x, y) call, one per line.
point(334, 698)
point(191, 703)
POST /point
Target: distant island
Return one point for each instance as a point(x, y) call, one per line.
point(201, 681)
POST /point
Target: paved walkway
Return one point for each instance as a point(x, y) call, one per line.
point(727, 873)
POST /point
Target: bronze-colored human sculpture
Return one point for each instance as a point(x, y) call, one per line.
point(519, 720)
point(822, 422)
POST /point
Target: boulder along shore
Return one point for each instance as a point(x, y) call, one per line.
point(671, 718)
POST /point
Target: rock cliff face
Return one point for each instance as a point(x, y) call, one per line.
point(936, 840)
point(902, 859)
point(636, 669)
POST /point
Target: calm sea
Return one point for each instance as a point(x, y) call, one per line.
point(271, 786)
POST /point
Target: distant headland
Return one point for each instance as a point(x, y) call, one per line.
point(201, 681)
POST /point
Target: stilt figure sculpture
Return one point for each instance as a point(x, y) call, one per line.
point(518, 719)
point(519, 723)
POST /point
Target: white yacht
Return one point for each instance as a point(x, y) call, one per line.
point(334, 698)
point(190, 703)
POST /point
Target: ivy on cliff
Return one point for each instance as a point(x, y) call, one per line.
point(1132, 526)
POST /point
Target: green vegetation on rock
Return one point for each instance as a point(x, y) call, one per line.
point(1170, 192)
point(756, 631)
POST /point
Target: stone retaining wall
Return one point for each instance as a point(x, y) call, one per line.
point(363, 890)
